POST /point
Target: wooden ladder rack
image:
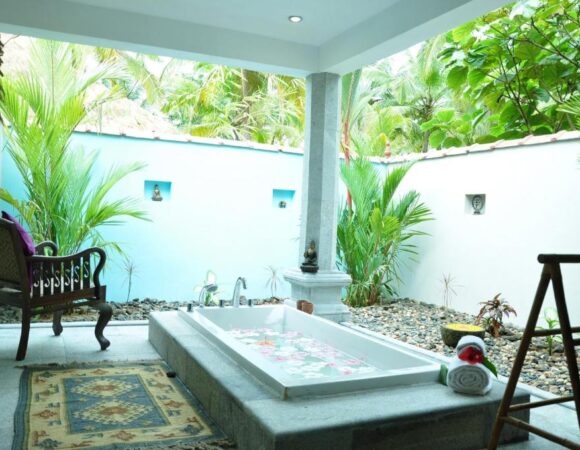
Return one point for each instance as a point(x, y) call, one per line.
point(550, 272)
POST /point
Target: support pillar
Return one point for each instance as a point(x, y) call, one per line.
point(320, 200)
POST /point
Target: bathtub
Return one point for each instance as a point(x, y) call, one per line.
point(297, 354)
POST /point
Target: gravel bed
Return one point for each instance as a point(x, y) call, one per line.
point(407, 320)
point(419, 323)
point(133, 310)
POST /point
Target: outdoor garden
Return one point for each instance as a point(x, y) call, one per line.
point(512, 73)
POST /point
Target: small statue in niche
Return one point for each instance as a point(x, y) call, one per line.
point(310, 264)
point(156, 197)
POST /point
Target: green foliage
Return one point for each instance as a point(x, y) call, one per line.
point(490, 366)
point(238, 104)
point(510, 73)
point(492, 314)
point(520, 64)
point(41, 108)
point(375, 233)
point(448, 130)
point(552, 322)
point(572, 107)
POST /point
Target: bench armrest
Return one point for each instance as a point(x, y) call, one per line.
point(44, 268)
point(44, 245)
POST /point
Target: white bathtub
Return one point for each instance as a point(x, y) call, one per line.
point(297, 354)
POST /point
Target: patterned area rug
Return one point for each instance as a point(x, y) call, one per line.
point(109, 406)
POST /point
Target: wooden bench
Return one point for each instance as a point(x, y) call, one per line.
point(41, 284)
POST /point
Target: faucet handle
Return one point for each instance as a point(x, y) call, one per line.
point(250, 302)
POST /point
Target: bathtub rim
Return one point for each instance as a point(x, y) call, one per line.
point(284, 384)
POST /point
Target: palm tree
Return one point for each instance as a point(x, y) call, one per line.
point(389, 110)
point(239, 104)
point(42, 107)
point(375, 233)
point(420, 91)
point(2, 46)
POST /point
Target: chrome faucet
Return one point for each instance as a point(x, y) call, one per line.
point(240, 282)
point(208, 288)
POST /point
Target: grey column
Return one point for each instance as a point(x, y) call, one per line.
point(320, 175)
point(320, 201)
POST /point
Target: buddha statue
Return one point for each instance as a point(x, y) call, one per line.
point(156, 197)
point(310, 264)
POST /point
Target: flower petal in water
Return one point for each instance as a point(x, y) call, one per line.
point(354, 362)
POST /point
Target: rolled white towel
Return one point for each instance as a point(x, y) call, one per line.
point(470, 340)
point(465, 378)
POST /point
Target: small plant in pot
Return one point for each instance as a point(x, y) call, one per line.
point(492, 313)
point(451, 333)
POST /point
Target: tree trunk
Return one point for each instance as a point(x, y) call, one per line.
point(425, 147)
point(346, 145)
point(249, 83)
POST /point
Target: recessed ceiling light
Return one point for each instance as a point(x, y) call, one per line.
point(295, 19)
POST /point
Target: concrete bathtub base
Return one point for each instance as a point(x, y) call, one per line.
point(416, 417)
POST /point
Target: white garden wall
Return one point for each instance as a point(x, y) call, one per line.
point(532, 206)
point(223, 215)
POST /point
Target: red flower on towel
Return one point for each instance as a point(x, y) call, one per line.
point(471, 355)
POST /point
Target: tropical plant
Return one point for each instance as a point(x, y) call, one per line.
point(492, 314)
point(3, 43)
point(376, 232)
point(510, 73)
point(217, 101)
point(130, 269)
point(520, 63)
point(572, 107)
point(552, 322)
point(353, 103)
point(63, 201)
point(421, 92)
point(448, 288)
point(390, 111)
point(273, 280)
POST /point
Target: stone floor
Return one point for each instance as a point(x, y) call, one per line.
point(129, 342)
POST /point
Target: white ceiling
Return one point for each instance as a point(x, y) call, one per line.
point(335, 36)
point(323, 19)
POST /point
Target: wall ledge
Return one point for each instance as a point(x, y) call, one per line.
point(397, 159)
point(478, 148)
point(184, 138)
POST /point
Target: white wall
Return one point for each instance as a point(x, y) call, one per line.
point(221, 217)
point(532, 207)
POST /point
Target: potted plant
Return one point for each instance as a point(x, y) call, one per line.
point(451, 333)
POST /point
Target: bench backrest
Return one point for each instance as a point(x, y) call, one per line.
point(12, 262)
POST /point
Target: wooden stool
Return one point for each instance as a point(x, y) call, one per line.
point(550, 272)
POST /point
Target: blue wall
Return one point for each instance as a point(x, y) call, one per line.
point(221, 215)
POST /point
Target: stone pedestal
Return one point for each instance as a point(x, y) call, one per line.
point(323, 289)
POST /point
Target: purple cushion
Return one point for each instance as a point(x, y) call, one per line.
point(25, 238)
